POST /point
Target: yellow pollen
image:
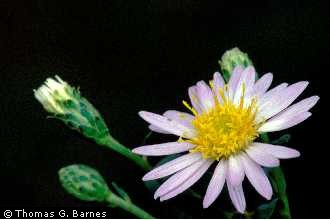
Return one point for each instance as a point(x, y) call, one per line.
point(226, 129)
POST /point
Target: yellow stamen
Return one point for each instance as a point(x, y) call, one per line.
point(190, 108)
point(241, 102)
point(222, 95)
point(226, 129)
point(180, 140)
point(211, 84)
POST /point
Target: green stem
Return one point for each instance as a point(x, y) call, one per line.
point(113, 144)
point(285, 211)
point(128, 206)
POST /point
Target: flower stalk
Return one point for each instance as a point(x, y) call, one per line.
point(113, 144)
point(116, 201)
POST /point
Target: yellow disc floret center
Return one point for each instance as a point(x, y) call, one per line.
point(225, 129)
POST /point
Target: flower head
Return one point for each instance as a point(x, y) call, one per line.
point(66, 103)
point(223, 127)
point(52, 94)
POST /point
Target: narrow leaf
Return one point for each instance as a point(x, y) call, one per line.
point(121, 192)
point(279, 184)
point(266, 210)
point(282, 140)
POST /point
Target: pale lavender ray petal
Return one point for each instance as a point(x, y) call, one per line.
point(189, 182)
point(246, 83)
point(257, 177)
point(181, 117)
point(302, 106)
point(290, 115)
point(284, 123)
point(233, 81)
point(163, 149)
point(178, 178)
point(218, 83)
point(267, 97)
point(192, 91)
point(249, 76)
point(235, 174)
point(157, 129)
point(237, 197)
point(216, 184)
point(167, 124)
point(172, 166)
point(261, 157)
point(278, 151)
point(205, 96)
point(282, 100)
point(261, 86)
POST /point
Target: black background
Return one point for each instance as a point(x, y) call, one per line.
point(132, 55)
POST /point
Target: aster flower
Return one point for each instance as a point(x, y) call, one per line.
point(225, 121)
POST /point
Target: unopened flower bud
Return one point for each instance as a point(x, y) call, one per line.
point(232, 58)
point(67, 104)
point(84, 182)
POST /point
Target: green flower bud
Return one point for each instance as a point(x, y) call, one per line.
point(84, 183)
point(66, 104)
point(232, 58)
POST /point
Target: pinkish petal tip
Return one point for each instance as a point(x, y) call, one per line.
point(142, 113)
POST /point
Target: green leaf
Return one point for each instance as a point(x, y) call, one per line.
point(167, 159)
point(266, 210)
point(146, 138)
point(264, 137)
point(229, 215)
point(277, 178)
point(151, 185)
point(282, 140)
point(121, 192)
